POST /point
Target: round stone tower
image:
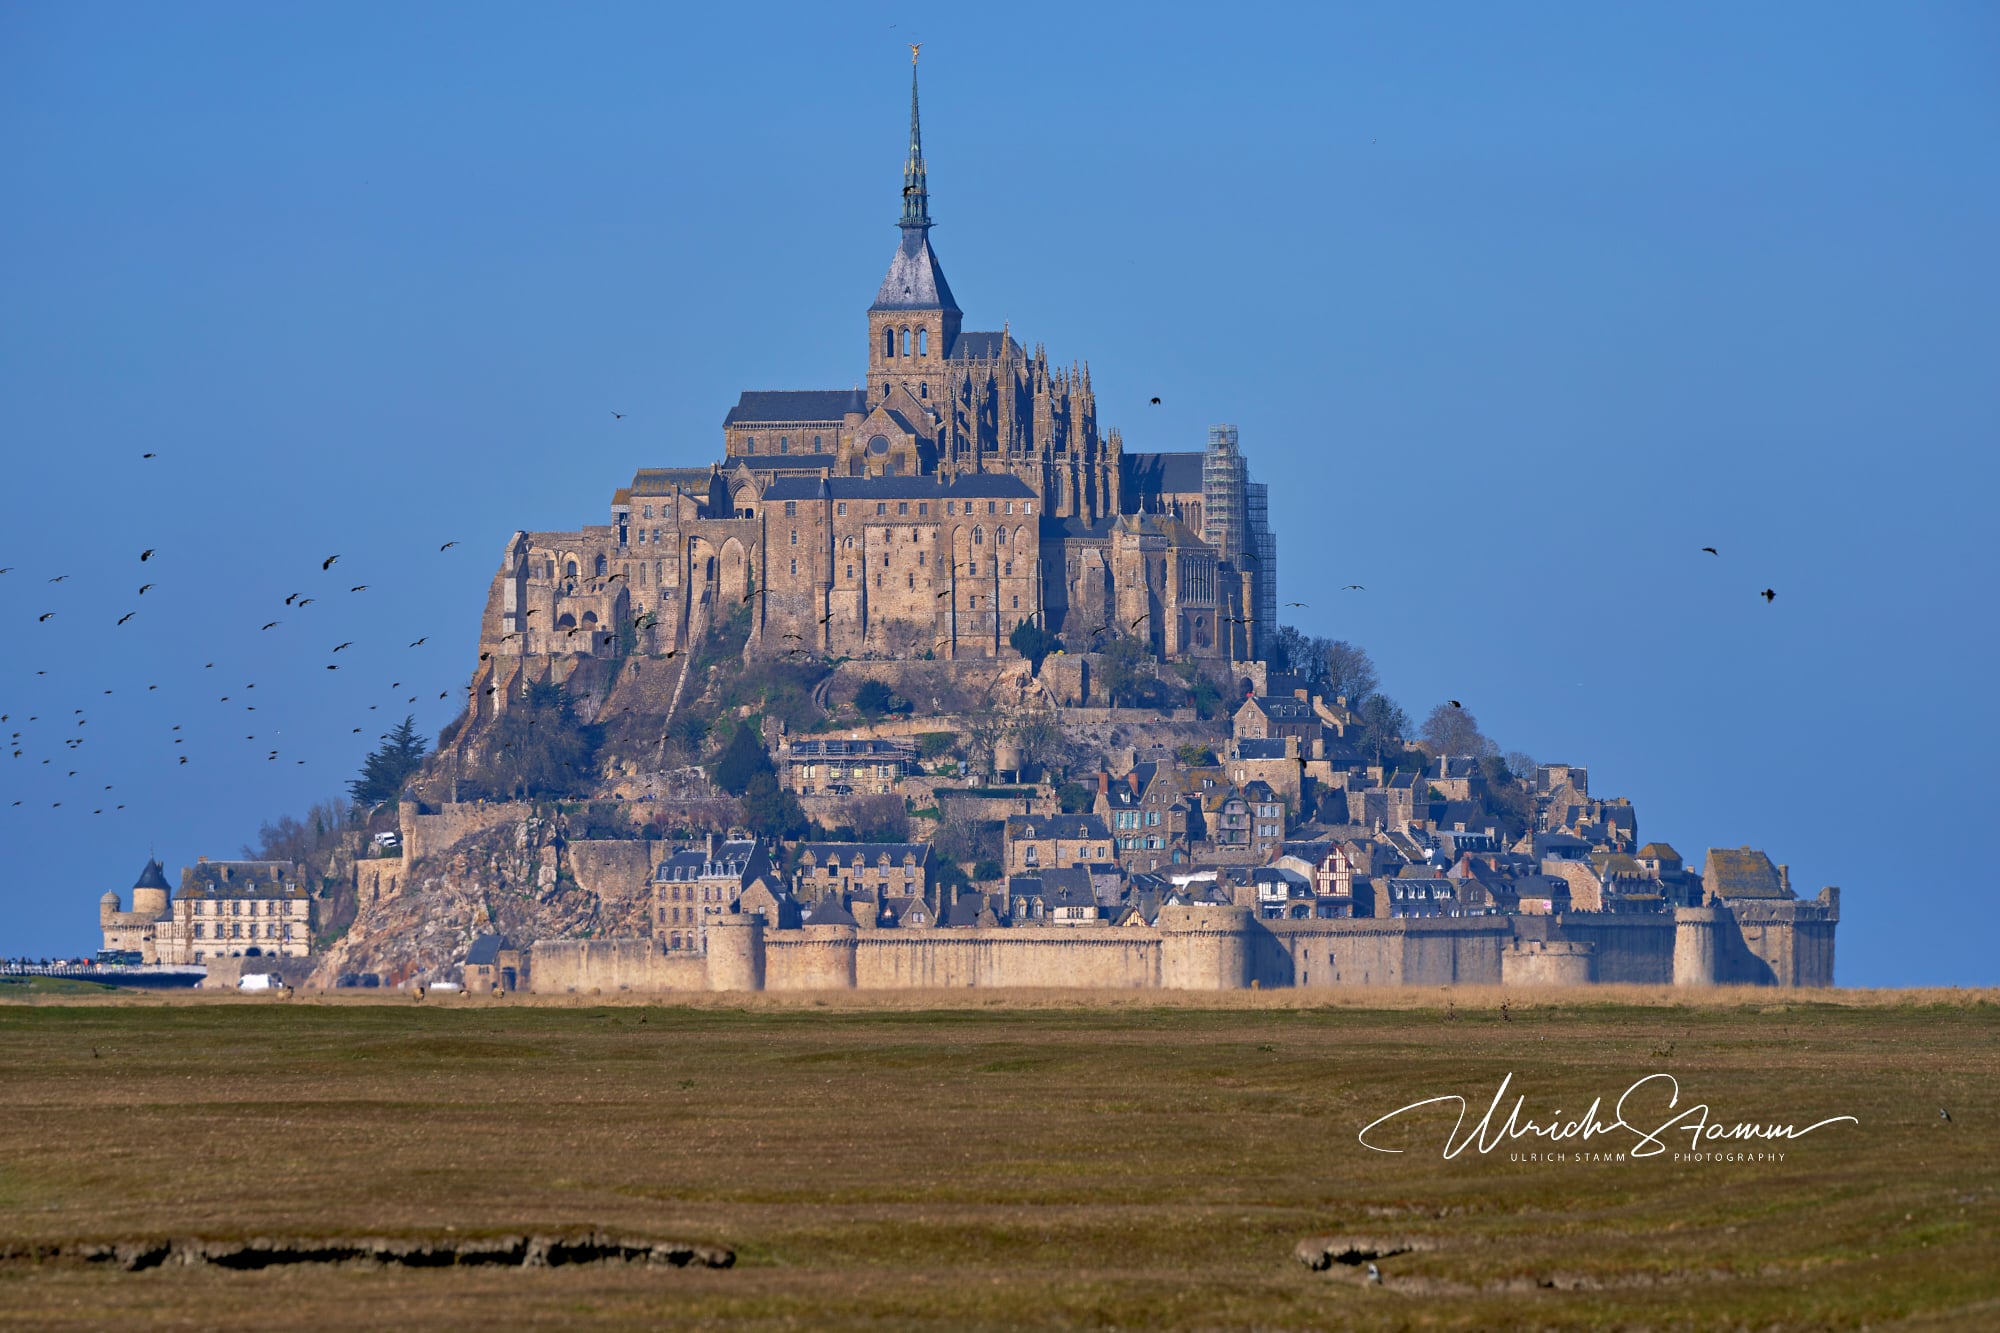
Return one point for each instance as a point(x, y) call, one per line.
point(1205, 947)
point(1696, 931)
point(736, 952)
point(1546, 963)
point(150, 895)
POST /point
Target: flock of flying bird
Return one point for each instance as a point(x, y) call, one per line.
point(20, 741)
point(27, 730)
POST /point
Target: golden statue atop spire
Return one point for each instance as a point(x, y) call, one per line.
point(914, 48)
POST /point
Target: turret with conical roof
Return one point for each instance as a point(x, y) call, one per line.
point(151, 893)
point(914, 321)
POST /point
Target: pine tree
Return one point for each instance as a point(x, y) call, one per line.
point(385, 771)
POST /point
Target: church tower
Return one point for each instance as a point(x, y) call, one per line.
point(914, 321)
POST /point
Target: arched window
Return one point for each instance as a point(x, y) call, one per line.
point(888, 348)
point(906, 342)
point(978, 536)
point(923, 342)
point(602, 567)
point(572, 569)
point(999, 536)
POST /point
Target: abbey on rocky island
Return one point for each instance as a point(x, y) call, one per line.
point(964, 489)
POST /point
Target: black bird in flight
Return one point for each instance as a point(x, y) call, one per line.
point(1354, 587)
point(618, 416)
point(828, 616)
point(1711, 550)
point(359, 587)
point(288, 600)
point(1768, 595)
point(1455, 703)
point(143, 587)
point(338, 646)
point(419, 642)
point(447, 546)
point(1294, 603)
point(328, 562)
point(149, 455)
point(273, 623)
point(306, 601)
point(58, 578)
point(331, 667)
point(44, 616)
point(1156, 401)
point(127, 616)
point(146, 555)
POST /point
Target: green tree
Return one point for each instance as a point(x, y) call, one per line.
point(769, 811)
point(1076, 798)
point(384, 772)
point(538, 749)
point(874, 698)
point(743, 759)
point(1122, 671)
point(1033, 642)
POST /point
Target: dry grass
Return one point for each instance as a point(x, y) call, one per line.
point(970, 1160)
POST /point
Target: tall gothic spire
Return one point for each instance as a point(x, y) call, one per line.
point(915, 281)
point(916, 196)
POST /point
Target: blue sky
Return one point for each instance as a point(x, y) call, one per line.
point(1517, 307)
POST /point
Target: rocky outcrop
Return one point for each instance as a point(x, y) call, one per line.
point(518, 880)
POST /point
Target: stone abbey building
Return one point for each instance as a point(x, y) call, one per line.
point(964, 488)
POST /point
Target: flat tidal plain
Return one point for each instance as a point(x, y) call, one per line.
point(984, 1160)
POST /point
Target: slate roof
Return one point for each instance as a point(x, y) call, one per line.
point(801, 405)
point(1253, 748)
point(872, 853)
point(982, 347)
point(1069, 886)
point(662, 480)
point(1152, 474)
point(830, 911)
point(153, 876)
point(740, 859)
point(1070, 827)
point(485, 951)
point(915, 280)
point(975, 486)
point(241, 879)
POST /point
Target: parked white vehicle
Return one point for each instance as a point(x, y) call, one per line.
point(259, 981)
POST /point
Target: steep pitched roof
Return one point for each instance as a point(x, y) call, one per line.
point(801, 405)
point(1152, 474)
point(982, 347)
point(1070, 827)
point(153, 876)
point(915, 280)
point(485, 951)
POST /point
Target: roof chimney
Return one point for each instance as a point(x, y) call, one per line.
point(1785, 878)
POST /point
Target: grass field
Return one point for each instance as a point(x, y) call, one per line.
point(974, 1160)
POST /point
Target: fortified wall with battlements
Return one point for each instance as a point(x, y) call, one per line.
point(1229, 948)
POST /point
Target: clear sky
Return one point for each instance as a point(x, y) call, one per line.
point(1517, 308)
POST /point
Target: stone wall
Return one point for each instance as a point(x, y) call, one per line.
point(592, 966)
point(1220, 948)
point(427, 834)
